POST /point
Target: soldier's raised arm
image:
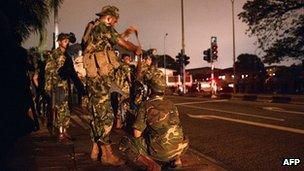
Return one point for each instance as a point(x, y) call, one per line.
point(129, 46)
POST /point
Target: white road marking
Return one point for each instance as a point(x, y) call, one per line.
point(276, 109)
point(236, 113)
point(196, 102)
point(281, 128)
point(79, 122)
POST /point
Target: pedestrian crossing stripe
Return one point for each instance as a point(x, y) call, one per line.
point(281, 128)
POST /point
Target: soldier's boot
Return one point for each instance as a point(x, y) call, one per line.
point(150, 164)
point(68, 136)
point(63, 137)
point(108, 158)
point(94, 151)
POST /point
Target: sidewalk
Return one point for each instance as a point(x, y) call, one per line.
point(41, 151)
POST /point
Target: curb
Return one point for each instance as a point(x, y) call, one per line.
point(270, 98)
point(216, 164)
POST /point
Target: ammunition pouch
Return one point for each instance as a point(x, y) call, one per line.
point(100, 63)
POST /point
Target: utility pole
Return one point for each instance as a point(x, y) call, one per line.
point(56, 25)
point(233, 34)
point(165, 64)
point(213, 55)
point(183, 46)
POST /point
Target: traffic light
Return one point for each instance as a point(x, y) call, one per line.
point(207, 55)
point(214, 47)
point(179, 59)
point(186, 59)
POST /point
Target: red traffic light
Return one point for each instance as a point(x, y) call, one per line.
point(214, 51)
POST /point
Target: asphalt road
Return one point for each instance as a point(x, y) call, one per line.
point(244, 135)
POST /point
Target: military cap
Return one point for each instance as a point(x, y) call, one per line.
point(70, 36)
point(109, 10)
point(62, 36)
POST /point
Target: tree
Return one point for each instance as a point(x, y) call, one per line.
point(28, 16)
point(19, 19)
point(170, 62)
point(252, 66)
point(278, 26)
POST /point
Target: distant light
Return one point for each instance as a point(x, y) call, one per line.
point(243, 76)
point(205, 85)
point(232, 76)
point(230, 85)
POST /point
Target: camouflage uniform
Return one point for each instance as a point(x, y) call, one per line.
point(119, 101)
point(121, 78)
point(158, 120)
point(102, 38)
point(57, 87)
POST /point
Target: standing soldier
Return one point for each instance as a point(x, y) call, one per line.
point(100, 61)
point(56, 86)
point(158, 118)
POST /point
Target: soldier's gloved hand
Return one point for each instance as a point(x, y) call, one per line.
point(125, 35)
point(131, 30)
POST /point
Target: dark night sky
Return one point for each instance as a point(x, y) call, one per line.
point(155, 18)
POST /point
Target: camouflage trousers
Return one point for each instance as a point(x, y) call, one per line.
point(100, 108)
point(61, 106)
point(133, 147)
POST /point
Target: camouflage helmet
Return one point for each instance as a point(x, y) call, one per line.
point(157, 83)
point(109, 10)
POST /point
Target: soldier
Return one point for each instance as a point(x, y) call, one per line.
point(100, 62)
point(144, 69)
point(158, 135)
point(56, 86)
point(123, 75)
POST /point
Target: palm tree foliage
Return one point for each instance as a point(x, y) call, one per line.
point(28, 16)
point(278, 26)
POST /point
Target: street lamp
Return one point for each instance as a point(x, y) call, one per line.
point(165, 56)
point(233, 35)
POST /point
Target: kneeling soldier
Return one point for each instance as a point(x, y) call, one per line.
point(158, 135)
